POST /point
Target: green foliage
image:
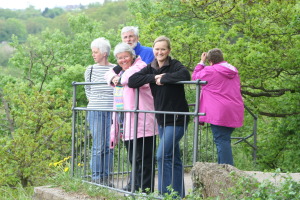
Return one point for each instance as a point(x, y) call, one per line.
point(249, 190)
point(41, 123)
point(51, 13)
point(18, 192)
point(260, 38)
point(64, 82)
point(6, 52)
point(6, 13)
point(61, 178)
point(19, 14)
point(36, 25)
point(39, 116)
point(279, 149)
point(12, 26)
point(38, 111)
point(112, 14)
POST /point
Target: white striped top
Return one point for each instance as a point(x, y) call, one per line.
point(100, 96)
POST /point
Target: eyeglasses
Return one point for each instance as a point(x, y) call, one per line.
point(125, 57)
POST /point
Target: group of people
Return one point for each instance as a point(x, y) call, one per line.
point(154, 72)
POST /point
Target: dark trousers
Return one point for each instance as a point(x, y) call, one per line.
point(145, 162)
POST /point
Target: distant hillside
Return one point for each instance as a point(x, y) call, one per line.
point(32, 21)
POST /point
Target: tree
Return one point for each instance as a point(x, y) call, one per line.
point(36, 25)
point(7, 13)
point(41, 128)
point(13, 26)
point(259, 37)
point(112, 14)
point(51, 13)
point(36, 109)
point(6, 52)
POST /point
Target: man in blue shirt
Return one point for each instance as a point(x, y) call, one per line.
point(130, 35)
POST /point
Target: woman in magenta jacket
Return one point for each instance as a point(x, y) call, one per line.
point(146, 128)
point(220, 100)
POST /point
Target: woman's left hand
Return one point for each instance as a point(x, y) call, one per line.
point(115, 80)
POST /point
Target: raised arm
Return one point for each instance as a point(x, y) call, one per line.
point(200, 66)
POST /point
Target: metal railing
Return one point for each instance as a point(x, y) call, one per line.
point(196, 144)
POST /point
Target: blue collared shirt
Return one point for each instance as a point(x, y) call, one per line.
point(146, 53)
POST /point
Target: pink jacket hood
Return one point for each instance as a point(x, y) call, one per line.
point(226, 69)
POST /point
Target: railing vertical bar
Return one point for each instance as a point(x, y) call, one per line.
point(196, 125)
point(73, 129)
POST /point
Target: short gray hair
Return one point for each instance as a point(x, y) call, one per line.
point(123, 47)
point(134, 29)
point(102, 44)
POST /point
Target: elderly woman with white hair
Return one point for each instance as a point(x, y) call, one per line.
point(100, 97)
point(123, 122)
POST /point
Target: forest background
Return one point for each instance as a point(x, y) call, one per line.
point(43, 52)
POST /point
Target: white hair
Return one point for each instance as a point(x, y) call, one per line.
point(102, 44)
point(123, 47)
point(134, 29)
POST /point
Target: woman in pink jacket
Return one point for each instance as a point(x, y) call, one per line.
point(123, 122)
point(220, 100)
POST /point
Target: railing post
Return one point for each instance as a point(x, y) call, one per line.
point(254, 133)
point(196, 124)
point(73, 128)
point(134, 140)
point(255, 139)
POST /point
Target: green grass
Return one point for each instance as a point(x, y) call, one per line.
point(244, 189)
point(16, 193)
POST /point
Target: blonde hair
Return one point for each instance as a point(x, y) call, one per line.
point(163, 38)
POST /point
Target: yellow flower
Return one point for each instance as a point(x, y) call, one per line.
point(67, 158)
point(66, 169)
point(50, 164)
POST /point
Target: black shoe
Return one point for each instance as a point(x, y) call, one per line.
point(105, 181)
point(128, 188)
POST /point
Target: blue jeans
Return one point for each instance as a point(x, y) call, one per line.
point(170, 168)
point(222, 138)
point(102, 155)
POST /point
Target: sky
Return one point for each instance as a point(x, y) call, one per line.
point(42, 4)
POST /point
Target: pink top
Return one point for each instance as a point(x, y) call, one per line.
point(146, 122)
point(221, 97)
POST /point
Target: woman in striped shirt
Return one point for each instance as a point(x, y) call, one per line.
point(100, 100)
